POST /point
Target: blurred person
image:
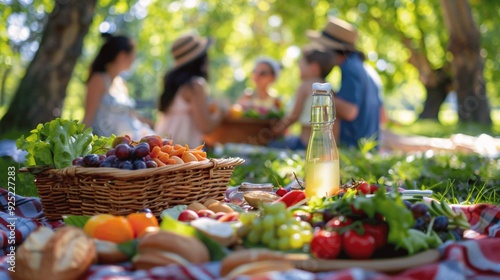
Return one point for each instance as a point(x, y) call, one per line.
point(358, 103)
point(184, 109)
point(108, 106)
point(262, 98)
point(315, 65)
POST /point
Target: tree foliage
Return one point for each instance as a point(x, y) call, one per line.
point(243, 30)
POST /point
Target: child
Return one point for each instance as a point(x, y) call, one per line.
point(315, 65)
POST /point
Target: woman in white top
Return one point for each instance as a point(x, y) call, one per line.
point(184, 114)
point(108, 107)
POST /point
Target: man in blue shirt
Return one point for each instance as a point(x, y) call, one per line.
point(358, 103)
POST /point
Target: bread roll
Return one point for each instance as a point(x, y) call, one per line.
point(260, 268)
point(108, 252)
point(189, 248)
point(249, 256)
point(64, 254)
point(220, 207)
point(196, 206)
point(210, 201)
point(152, 259)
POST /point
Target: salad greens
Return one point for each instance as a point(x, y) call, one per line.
point(58, 142)
point(391, 206)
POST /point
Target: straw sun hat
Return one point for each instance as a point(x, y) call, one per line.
point(188, 47)
point(337, 35)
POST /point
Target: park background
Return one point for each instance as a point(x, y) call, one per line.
point(423, 50)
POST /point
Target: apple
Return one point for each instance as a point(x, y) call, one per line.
point(167, 141)
point(218, 215)
point(205, 213)
point(152, 140)
point(121, 140)
point(229, 217)
point(187, 216)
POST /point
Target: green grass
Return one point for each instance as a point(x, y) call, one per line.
point(458, 178)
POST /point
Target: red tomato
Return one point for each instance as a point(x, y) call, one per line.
point(338, 222)
point(326, 244)
point(379, 233)
point(358, 212)
point(357, 246)
point(363, 187)
point(374, 188)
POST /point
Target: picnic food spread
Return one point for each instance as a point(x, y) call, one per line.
point(251, 230)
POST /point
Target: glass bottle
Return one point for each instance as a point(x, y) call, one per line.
point(322, 158)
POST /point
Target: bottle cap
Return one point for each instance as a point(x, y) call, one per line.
point(322, 87)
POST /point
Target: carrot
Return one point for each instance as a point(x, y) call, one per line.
point(199, 157)
point(200, 147)
point(203, 153)
point(167, 148)
point(164, 158)
point(155, 153)
point(171, 161)
point(177, 152)
point(178, 146)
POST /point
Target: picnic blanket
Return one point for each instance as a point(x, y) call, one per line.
point(475, 258)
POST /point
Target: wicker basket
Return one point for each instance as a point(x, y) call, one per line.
point(88, 191)
point(242, 130)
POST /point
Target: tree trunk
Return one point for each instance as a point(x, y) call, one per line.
point(41, 92)
point(436, 94)
point(467, 64)
point(437, 82)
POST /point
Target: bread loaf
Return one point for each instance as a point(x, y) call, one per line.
point(63, 254)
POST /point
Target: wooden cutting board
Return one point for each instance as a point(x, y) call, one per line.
point(306, 262)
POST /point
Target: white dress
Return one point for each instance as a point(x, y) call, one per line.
point(178, 124)
point(115, 113)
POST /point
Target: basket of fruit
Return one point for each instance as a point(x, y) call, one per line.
point(249, 127)
point(86, 175)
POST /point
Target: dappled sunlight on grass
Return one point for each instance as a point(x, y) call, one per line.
point(443, 128)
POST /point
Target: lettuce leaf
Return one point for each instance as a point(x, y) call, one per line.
point(58, 142)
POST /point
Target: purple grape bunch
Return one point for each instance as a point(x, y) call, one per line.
point(122, 156)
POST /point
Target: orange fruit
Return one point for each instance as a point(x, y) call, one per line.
point(148, 230)
point(212, 107)
point(140, 221)
point(94, 221)
point(235, 111)
point(116, 229)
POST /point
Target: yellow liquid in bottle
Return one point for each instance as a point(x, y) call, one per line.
point(322, 178)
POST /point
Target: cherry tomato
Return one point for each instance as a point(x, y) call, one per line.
point(357, 246)
point(281, 191)
point(379, 233)
point(363, 188)
point(326, 244)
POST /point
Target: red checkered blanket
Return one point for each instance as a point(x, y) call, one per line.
point(476, 258)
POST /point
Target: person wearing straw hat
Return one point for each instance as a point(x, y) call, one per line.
point(184, 114)
point(358, 102)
